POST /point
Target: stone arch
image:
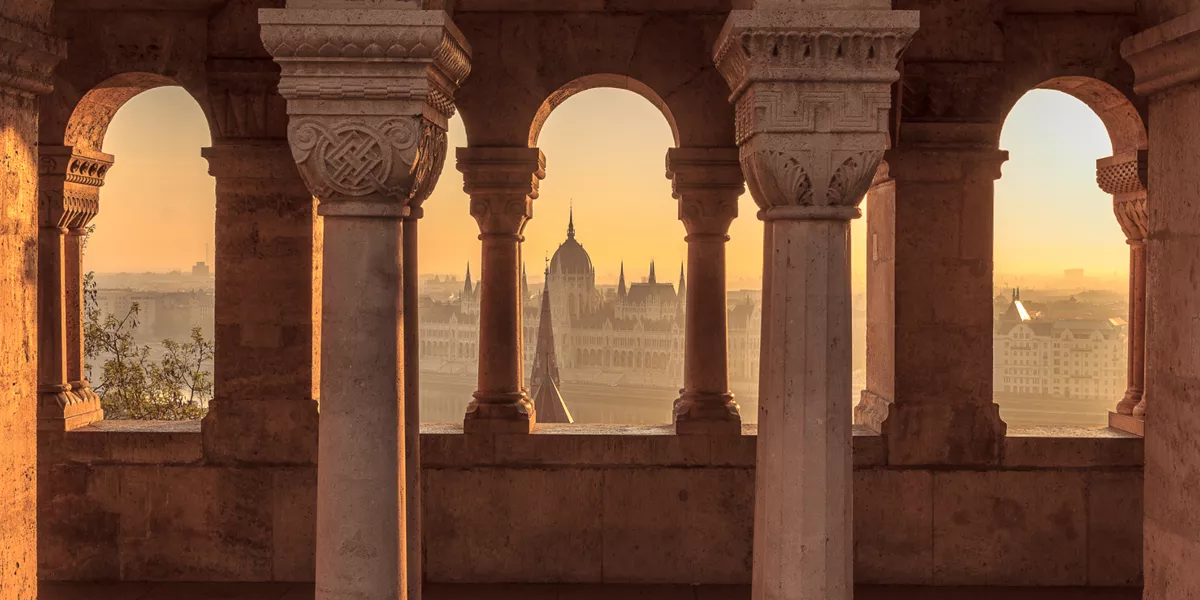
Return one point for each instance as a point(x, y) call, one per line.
point(1125, 126)
point(92, 115)
point(599, 80)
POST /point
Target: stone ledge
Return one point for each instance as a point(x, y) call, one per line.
point(445, 445)
point(136, 442)
point(1071, 447)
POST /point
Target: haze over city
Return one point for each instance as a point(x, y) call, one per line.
point(605, 150)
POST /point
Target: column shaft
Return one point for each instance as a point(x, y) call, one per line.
point(501, 372)
point(54, 391)
point(412, 407)
point(74, 306)
point(360, 487)
point(1137, 327)
point(803, 543)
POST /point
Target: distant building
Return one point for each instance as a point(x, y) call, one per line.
point(1073, 358)
point(633, 334)
point(201, 269)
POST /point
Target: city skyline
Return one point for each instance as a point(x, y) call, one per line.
point(610, 170)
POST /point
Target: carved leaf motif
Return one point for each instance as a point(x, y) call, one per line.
point(792, 177)
point(853, 178)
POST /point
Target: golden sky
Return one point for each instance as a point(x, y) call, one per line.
point(605, 152)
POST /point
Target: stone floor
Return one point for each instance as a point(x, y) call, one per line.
point(304, 591)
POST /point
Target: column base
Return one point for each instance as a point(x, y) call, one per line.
point(1127, 423)
point(1128, 403)
point(707, 414)
point(61, 408)
point(935, 433)
point(499, 413)
point(261, 431)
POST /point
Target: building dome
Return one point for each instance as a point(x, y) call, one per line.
point(571, 258)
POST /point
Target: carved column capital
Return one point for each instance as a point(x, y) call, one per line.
point(27, 60)
point(502, 184)
point(70, 180)
point(369, 94)
point(812, 92)
point(1124, 176)
point(707, 183)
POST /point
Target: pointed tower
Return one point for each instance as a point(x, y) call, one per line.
point(682, 285)
point(652, 278)
point(468, 288)
point(622, 291)
point(548, 404)
point(524, 283)
point(571, 222)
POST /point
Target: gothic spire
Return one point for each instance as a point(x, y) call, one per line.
point(621, 290)
point(682, 284)
point(468, 288)
point(571, 222)
point(652, 278)
point(524, 283)
point(544, 379)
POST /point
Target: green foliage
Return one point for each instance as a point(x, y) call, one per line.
point(132, 384)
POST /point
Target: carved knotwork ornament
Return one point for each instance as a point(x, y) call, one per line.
point(369, 93)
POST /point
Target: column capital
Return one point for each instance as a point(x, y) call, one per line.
point(1165, 56)
point(27, 60)
point(707, 183)
point(369, 93)
point(812, 94)
point(70, 179)
point(1124, 176)
point(503, 183)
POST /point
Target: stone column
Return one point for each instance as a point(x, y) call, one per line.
point(931, 237)
point(27, 58)
point(69, 187)
point(707, 183)
point(502, 183)
point(1164, 60)
point(1124, 176)
point(267, 313)
point(369, 94)
point(813, 92)
point(412, 400)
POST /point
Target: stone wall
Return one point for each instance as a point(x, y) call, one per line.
point(596, 504)
point(27, 55)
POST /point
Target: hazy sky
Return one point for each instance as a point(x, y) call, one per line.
point(605, 152)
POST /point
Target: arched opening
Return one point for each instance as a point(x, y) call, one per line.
point(148, 309)
point(1062, 265)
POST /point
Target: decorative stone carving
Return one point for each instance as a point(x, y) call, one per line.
point(707, 183)
point(369, 93)
point(502, 184)
point(826, 73)
point(70, 185)
point(1124, 176)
